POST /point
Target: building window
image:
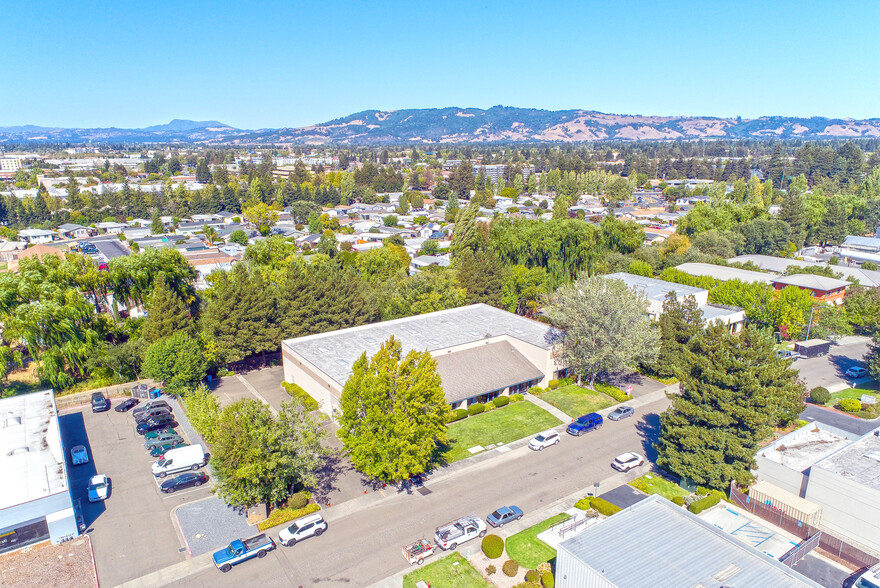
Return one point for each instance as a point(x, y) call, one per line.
point(26, 534)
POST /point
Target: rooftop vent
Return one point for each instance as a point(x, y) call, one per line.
point(481, 317)
point(726, 573)
point(323, 350)
point(433, 342)
point(341, 362)
point(412, 331)
point(370, 339)
point(875, 455)
point(12, 420)
point(450, 323)
point(519, 331)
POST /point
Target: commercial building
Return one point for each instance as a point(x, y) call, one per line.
point(482, 352)
point(779, 265)
point(724, 273)
point(830, 290)
point(10, 164)
point(35, 500)
point(656, 543)
point(657, 290)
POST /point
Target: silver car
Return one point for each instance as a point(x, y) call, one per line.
point(620, 413)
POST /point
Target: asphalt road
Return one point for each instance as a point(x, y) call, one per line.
point(829, 370)
point(363, 547)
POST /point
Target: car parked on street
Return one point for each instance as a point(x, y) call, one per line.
point(161, 450)
point(453, 534)
point(100, 403)
point(79, 455)
point(627, 461)
point(162, 439)
point(312, 525)
point(856, 372)
point(504, 515)
point(585, 424)
point(183, 481)
point(544, 439)
point(98, 488)
point(621, 412)
point(126, 405)
point(152, 424)
point(240, 550)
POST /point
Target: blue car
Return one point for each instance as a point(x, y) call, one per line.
point(585, 424)
point(504, 515)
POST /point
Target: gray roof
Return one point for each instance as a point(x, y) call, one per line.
point(654, 289)
point(779, 264)
point(67, 227)
point(859, 461)
point(486, 368)
point(811, 281)
point(655, 543)
point(335, 352)
point(864, 242)
point(724, 273)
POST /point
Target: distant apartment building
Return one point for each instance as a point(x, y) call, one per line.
point(830, 290)
point(9, 164)
point(495, 171)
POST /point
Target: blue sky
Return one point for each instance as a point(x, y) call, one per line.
point(273, 64)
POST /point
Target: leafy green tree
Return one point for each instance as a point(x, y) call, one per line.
point(430, 290)
point(393, 413)
point(525, 290)
point(261, 215)
point(606, 327)
point(157, 227)
point(462, 180)
point(238, 236)
point(403, 204)
point(873, 357)
point(166, 314)
point(377, 265)
point(203, 411)
point(734, 390)
point(793, 213)
point(258, 458)
point(468, 233)
point(482, 276)
point(680, 323)
point(790, 309)
point(203, 172)
point(862, 308)
point(390, 220)
point(622, 236)
point(177, 361)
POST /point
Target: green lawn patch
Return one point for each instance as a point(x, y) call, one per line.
point(444, 572)
point(869, 388)
point(575, 401)
point(653, 484)
point(527, 549)
point(501, 425)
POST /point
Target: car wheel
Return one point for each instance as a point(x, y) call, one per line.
point(453, 546)
point(598, 427)
point(261, 553)
point(541, 448)
point(199, 483)
point(556, 442)
point(195, 467)
point(171, 490)
point(291, 542)
point(482, 534)
point(421, 561)
point(318, 532)
point(225, 568)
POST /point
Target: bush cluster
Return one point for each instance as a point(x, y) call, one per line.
point(476, 408)
point(820, 395)
point(490, 569)
point(612, 391)
point(309, 403)
point(456, 415)
point(583, 503)
point(567, 381)
point(532, 576)
point(679, 500)
point(604, 507)
point(517, 398)
point(492, 546)
point(709, 501)
point(501, 401)
point(510, 568)
point(299, 500)
point(553, 384)
point(536, 390)
point(283, 515)
point(547, 579)
point(850, 405)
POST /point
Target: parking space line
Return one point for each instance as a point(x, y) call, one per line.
point(184, 493)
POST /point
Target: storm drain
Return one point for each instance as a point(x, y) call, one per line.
point(423, 491)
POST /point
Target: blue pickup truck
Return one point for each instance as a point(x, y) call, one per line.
point(243, 549)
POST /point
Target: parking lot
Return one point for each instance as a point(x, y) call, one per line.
point(133, 531)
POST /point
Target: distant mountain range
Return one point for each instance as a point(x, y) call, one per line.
point(467, 125)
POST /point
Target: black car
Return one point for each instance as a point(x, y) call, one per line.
point(159, 422)
point(100, 403)
point(183, 481)
point(126, 405)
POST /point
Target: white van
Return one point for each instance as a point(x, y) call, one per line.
point(191, 457)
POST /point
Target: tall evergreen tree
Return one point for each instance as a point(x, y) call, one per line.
point(157, 227)
point(166, 313)
point(681, 321)
point(734, 390)
point(482, 276)
point(793, 212)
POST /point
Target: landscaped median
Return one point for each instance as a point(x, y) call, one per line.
point(849, 400)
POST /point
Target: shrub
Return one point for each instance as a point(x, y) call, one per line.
point(510, 568)
point(536, 390)
point(583, 503)
point(612, 391)
point(850, 405)
point(703, 491)
point(476, 408)
point(604, 507)
point(490, 569)
point(567, 381)
point(517, 398)
point(527, 585)
point(532, 576)
point(679, 500)
point(553, 384)
point(309, 403)
point(547, 579)
point(456, 415)
point(492, 546)
point(283, 515)
point(708, 502)
point(501, 401)
point(545, 567)
point(820, 395)
point(299, 500)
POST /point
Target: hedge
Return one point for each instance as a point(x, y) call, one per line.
point(679, 500)
point(456, 415)
point(536, 390)
point(850, 405)
point(282, 515)
point(501, 401)
point(553, 384)
point(708, 502)
point(309, 403)
point(517, 398)
point(547, 580)
point(532, 576)
point(492, 546)
point(299, 500)
point(528, 585)
point(583, 503)
point(612, 391)
point(510, 568)
point(604, 507)
point(820, 395)
point(476, 408)
point(566, 381)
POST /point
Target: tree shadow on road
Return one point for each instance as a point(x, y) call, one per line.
point(335, 465)
point(649, 430)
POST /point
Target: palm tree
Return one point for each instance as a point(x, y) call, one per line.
point(211, 236)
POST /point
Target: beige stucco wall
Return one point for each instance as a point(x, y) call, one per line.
point(849, 509)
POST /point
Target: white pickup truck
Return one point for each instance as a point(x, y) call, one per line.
point(451, 535)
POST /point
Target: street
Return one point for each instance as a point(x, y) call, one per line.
point(829, 371)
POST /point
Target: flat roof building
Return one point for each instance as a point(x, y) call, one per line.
point(35, 500)
point(656, 543)
point(724, 273)
point(830, 290)
point(779, 265)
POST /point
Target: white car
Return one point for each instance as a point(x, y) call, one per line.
point(79, 455)
point(309, 526)
point(856, 372)
point(627, 461)
point(98, 488)
point(544, 439)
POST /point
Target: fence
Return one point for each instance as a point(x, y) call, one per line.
point(827, 542)
point(797, 553)
point(80, 398)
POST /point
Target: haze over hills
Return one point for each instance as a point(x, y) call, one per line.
point(468, 125)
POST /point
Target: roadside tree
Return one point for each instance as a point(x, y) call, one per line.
point(176, 361)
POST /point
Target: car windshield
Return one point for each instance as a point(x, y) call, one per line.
point(98, 485)
point(581, 421)
point(540, 438)
point(162, 462)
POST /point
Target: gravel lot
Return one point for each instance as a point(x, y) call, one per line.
point(209, 525)
point(64, 565)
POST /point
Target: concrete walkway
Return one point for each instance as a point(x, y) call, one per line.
point(548, 407)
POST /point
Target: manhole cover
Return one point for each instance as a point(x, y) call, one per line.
point(423, 491)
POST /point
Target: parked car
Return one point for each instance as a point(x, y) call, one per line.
point(504, 515)
point(621, 412)
point(126, 405)
point(585, 424)
point(242, 550)
point(627, 461)
point(309, 526)
point(159, 422)
point(187, 480)
point(162, 439)
point(148, 405)
point(98, 488)
point(155, 434)
point(161, 450)
point(100, 403)
point(153, 412)
point(870, 578)
point(189, 457)
point(453, 534)
point(856, 372)
point(788, 354)
point(79, 455)
point(544, 439)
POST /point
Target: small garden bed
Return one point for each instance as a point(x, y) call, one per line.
point(575, 401)
point(527, 549)
point(654, 484)
point(452, 570)
point(845, 400)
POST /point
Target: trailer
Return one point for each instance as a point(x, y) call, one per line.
point(813, 348)
point(415, 553)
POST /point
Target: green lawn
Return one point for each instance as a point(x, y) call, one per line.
point(443, 573)
point(527, 549)
point(652, 484)
point(501, 425)
point(575, 401)
point(857, 392)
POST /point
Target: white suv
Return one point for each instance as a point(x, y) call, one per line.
point(308, 526)
point(544, 439)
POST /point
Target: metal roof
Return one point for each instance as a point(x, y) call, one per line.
point(724, 273)
point(656, 543)
point(654, 289)
point(867, 242)
point(779, 265)
point(812, 282)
